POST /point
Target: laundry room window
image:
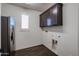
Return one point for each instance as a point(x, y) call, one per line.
point(25, 22)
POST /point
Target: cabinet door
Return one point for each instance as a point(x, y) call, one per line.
point(47, 40)
point(58, 48)
point(56, 14)
point(43, 19)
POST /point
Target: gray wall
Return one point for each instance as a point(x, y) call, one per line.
point(0, 26)
point(78, 31)
point(24, 38)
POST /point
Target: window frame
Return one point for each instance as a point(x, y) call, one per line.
point(23, 24)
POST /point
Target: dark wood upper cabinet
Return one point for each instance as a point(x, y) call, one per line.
point(52, 16)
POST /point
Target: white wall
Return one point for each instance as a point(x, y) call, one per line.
point(54, 29)
point(24, 38)
point(70, 27)
point(68, 43)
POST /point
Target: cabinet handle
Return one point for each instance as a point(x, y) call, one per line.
point(54, 42)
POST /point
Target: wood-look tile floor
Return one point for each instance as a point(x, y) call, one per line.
point(40, 50)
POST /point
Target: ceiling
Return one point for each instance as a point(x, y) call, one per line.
point(35, 6)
